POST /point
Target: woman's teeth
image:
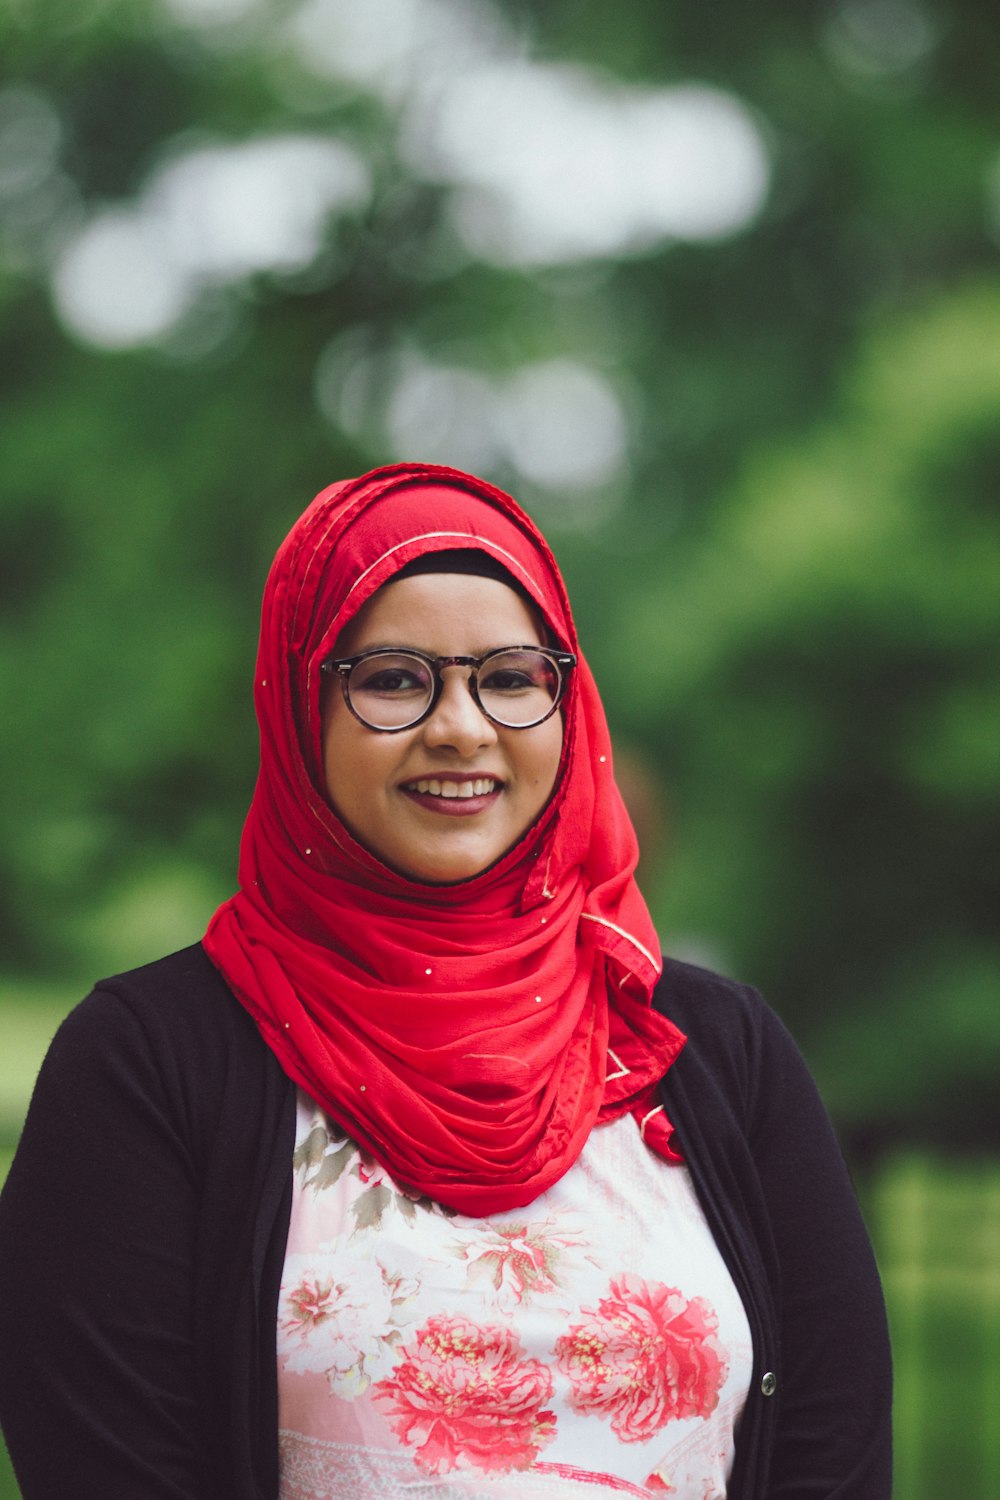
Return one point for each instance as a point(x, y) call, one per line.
point(455, 788)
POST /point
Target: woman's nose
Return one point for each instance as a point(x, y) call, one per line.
point(457, 719)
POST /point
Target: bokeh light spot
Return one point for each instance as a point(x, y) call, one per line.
point(211, 216)
point(553, 164)
point(115, 286)
point(557, 423)
point(445, 415)
point(394, 47)
point(563, 426)
point(881, 38)
point(228, 211)
point(30, 138)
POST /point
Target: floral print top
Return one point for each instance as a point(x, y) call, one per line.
point(590, 1345)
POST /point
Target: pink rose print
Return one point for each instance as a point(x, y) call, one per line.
point(515, 1263)
point(521, 1261)
point(345, 1327)
point(465, 1397)
point(646, 1356)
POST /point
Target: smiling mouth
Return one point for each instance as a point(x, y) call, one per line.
point(463, 790)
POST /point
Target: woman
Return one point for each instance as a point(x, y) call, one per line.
point(424, 1160)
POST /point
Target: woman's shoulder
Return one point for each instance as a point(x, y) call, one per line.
point(733, 1035)
point(701, 999)
point(180, 980)
point(166, 1043)
point(182, 988)
point(176, 1008)
point(188, 968)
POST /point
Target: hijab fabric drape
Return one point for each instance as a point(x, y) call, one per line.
point(468, 1035)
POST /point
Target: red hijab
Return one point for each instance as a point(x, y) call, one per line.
point(469, 1035)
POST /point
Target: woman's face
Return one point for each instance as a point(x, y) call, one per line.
point(372, 778)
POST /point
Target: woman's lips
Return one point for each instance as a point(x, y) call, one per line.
point(455, 796)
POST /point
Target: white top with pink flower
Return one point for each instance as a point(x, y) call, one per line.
point(592, 1344)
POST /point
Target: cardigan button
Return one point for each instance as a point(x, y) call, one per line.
point(769, 1384)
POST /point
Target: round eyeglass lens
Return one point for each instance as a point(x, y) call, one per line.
point(518, 688)
point(391, 689)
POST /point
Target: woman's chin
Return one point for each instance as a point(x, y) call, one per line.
point(449, 871)
point(448, 860)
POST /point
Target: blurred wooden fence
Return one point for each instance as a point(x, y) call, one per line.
point(937, 1232)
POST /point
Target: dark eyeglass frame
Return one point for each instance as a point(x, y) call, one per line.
point(343, 666)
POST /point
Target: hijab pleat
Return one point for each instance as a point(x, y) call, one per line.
point(470, 1036)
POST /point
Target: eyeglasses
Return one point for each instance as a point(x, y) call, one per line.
point(515, 687)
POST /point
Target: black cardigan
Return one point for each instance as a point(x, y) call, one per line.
point(143, 1229)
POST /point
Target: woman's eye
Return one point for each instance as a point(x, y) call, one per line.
point(516, 673)
point(507, 680)
point(390, 682)
point(391, 679)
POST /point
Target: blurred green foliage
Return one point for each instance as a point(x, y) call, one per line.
point(788, 590)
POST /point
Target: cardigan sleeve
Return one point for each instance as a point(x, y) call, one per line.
point(97, 1255)
point(833, 1381)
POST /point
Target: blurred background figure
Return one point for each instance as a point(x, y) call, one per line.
point(720, 299)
